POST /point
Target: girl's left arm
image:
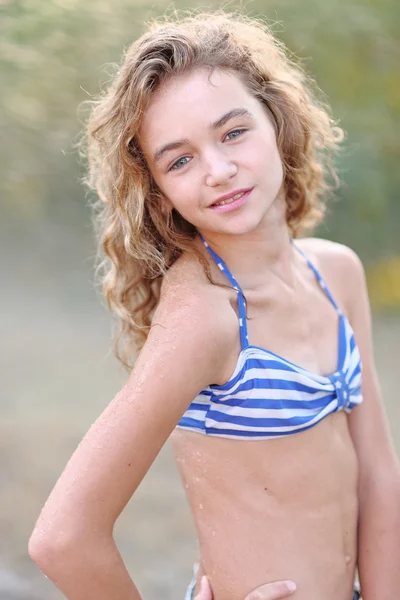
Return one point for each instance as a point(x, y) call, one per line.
point(379, 468)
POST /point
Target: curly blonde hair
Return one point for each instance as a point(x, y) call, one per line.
point(138, 241)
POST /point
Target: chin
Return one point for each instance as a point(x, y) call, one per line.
point(238, 227)
point(248, 223)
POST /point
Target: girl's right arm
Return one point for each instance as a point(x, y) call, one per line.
point(73, 543)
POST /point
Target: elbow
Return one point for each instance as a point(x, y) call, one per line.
point(60, 551)
point(50, 550)
point(43, 552)
point(38, 549)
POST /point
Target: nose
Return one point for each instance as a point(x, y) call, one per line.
point(219, 168)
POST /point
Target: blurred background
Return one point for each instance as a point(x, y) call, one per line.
point(56, 365)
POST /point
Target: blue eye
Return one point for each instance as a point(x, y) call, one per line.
point(177, 165)
point(239, 131)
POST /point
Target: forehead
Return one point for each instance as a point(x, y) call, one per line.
point(189, 102)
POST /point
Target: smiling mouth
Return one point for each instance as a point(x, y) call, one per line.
point(229, 200)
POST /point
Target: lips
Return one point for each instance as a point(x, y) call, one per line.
point(228, 198)
point(231, 202)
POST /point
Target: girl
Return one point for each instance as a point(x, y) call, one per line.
point(212, 157)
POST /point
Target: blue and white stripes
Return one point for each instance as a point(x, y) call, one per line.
point(268, 396)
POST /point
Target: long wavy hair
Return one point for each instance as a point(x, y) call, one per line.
point(138, 241)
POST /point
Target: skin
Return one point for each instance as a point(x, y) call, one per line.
point(266, 510)
point(304, 485)
point(269, 591)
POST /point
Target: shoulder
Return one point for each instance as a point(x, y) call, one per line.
point(340, 266)
point(194, 321)
point(332, 255)
point(188, 298)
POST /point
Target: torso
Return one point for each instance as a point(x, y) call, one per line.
point(287, 507)
point(274, 509)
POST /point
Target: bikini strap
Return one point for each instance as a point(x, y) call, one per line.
point(319, 277)
point(244, 339)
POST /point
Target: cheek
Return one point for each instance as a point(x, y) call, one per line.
point(267, 161)
point(181, 192)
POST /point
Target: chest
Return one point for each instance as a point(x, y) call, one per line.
point(300, 325)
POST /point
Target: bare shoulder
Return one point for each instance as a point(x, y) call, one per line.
point(194, 317)
point(340, 266)
point(187, 294)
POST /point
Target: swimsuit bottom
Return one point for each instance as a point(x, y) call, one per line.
point(190, 591)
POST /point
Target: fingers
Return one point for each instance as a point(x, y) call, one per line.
point(273, 591)
point(268, 591)
point(205, 590)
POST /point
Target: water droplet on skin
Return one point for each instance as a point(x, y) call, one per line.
point(201, 506)
point(213, 533)
point(348, 559)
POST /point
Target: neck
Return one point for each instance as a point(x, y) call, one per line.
point(256, 256)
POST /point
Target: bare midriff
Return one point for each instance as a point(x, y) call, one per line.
point(266, 510)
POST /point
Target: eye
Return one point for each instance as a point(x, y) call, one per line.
point(178, 164)
point(238, 131)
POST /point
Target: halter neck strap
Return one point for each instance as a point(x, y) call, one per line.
point(244, 339)
point(318, 276)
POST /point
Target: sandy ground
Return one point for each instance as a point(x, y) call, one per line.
point(57, 376)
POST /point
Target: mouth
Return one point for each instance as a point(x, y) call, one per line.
point(231, 203)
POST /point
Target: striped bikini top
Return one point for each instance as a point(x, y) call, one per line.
point(268, 396)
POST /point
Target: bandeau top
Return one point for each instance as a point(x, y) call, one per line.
point(268, 396)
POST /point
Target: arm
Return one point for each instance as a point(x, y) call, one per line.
point(73, 538)
point(379, 470)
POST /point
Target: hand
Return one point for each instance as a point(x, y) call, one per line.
point(268, 591)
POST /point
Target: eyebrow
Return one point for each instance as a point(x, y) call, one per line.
point(235, 112)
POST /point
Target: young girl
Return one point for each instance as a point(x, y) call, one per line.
point(211, 157)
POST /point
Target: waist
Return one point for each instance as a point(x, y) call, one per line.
point(197, 574)
point(275, 509)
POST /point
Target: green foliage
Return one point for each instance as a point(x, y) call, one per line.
point(54, 56)
point(352, 50)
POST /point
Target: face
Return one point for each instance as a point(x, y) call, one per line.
point(205, 137)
